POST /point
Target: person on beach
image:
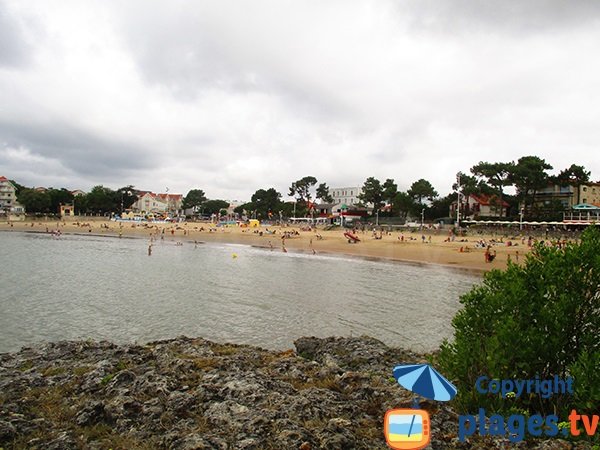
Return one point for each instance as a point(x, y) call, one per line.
point(150, 249)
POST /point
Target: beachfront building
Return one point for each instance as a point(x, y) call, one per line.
point(480, 205)
point(173, 202)
point(347, 196)
point(157, 204)
point(589, 193)
point(554, 194)
point(149, 203)
point(9, 207)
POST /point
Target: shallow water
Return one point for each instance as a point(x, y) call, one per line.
point(78, 287)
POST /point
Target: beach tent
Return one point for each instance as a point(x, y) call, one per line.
point(253, 223)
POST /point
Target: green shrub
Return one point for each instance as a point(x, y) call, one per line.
point(537, 320)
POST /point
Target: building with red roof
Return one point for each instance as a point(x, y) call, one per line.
point(480, 205)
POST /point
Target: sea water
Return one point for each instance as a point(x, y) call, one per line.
point(80, 287)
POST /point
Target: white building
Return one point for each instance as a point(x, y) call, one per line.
point(151, 203)
point(8, 199)
point(344, 196)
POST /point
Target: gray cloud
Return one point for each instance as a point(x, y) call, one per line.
point(14, 51)
point(84, 153)
point(235, 96)
point(510, 16)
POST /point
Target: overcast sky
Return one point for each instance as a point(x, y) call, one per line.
point(233, 96)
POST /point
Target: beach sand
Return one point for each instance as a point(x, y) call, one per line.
point(390, 246)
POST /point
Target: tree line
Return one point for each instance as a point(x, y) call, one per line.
point(528, 175)
point(100, 200)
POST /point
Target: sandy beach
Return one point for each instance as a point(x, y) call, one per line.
point(464, 253)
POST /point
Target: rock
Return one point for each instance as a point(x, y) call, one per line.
point(63, 442)
point(188, 393)
point(91, 414)
point(7, 431)
point(181, 402)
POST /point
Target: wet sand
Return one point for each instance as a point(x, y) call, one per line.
point(390, 246)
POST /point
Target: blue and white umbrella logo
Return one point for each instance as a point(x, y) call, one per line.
point(424, 380)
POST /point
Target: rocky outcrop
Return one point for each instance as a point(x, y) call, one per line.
point(195, 394)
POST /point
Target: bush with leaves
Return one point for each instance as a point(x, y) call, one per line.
point(537, 320)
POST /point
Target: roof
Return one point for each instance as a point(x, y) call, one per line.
point(484, 199)
point(170, 196)
point(2, 178)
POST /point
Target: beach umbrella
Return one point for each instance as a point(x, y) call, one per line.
point(424, 380)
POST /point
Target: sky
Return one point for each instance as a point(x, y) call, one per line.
point(234, 96)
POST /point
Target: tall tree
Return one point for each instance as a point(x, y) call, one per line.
point(301, 189)
point(323, 193)
point(422, 189)
point(496, 174)
point(372, 192)
point(126, 196)
point(390, 189)
point(529, 175)
point(403, 205)
point(194, 199)
point(102, 200)
point(266, 201)
point(471, 185)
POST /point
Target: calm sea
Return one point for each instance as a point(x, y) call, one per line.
point(79, 287)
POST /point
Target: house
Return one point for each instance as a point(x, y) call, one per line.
point(149, 203)
point(480, 205)
point(173, 202)
point(9, 206)
point(164, 204)
point(77, 192)
point(322, 209)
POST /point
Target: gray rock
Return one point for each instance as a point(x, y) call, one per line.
point(92, 413)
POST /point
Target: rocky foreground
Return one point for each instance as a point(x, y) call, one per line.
point(195, 394)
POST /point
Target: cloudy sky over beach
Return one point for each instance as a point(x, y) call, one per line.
point(232, 96)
